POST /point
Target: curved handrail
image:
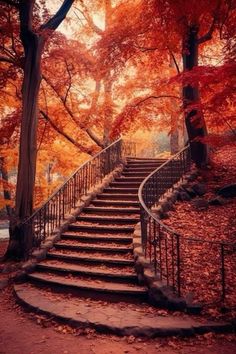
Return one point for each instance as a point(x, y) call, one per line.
point(140, 190)
point(72, 175)
point(161, 243)
point(51, 214)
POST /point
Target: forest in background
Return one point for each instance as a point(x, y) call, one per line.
point(114, 68)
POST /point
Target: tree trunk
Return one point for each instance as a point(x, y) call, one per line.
point(20, 237)
point(194, 120)
point(21, 234)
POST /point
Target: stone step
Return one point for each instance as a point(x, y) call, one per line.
point(97, 238)
point(137, 174)
point(123, 190)
point(111, 196)
point(128, 179)
point(117, 203)
point(125, 184)
point(144, 159)
point(101, 228)
point(112, 317)
point(111, 211)
point(143, 165)
point(86, 284)
point(113, 260)
point(107, 220)
point(90, 271)
point(82, 247)
point(137, 169)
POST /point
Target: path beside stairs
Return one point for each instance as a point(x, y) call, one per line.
point(89, 279)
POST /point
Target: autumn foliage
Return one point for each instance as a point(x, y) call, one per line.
point(112, 68)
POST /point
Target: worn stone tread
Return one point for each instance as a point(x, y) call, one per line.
point(107, 219)
point(110, 210)
point(102, 228)
point(94, 237)
point(121, 190)
point(92, 247)
point(88, 284)
point(89, 270)
point(88, 258)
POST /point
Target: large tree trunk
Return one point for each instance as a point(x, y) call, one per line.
point(21, 238)
point(21, 234)
point(194, 120)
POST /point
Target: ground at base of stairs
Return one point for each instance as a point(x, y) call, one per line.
point(112, 319)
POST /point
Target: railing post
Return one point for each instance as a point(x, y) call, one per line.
point(143, 229)
point(222, 271)
point(178, 264)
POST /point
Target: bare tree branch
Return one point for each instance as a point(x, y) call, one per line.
point(174, 60)
point(155, 97)
point(6, 60)
point(90, 133)
point(65, 135)
point(70, 81)
point(145, 49)
point(207, 36)
point(60, 15)
point(89, 20)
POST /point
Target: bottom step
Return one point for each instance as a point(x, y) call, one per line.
point(120, 319)
point(85, 284)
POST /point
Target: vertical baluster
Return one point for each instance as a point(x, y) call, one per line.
point(82, 181)
point(173, 260)
point(73, 191)
point(45, 221)
point(69, 195)
point(149, 223)
point(63, 203)
point(59, 208)
point(90, 175)
point(222, 272)
point(54, 212)
point(70, 205)
point(160, 250)
point(166, 254)
point(178, 264)
point(155, 245)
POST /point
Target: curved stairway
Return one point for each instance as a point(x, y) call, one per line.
point(88, 279)
point(94, 257)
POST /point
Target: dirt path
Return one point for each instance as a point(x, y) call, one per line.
point(27, 333)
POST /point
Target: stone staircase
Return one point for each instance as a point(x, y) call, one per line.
point(88, 279)
point(94, 257)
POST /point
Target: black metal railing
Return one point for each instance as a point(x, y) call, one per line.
point(158, 182)
point(189, 265)
point(52, 213)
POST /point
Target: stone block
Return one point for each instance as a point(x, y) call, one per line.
point(199, 188)
point(228, 191)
